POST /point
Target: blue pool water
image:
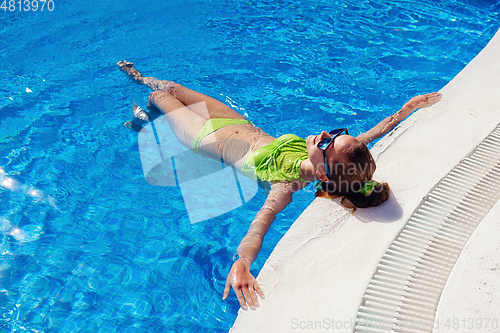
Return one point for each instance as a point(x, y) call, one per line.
point(86, 244)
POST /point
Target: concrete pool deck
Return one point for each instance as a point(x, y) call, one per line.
point(316, 278)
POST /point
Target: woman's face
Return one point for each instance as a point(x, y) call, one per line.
point(334, 153)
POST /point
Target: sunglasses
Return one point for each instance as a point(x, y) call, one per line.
point(326, 142)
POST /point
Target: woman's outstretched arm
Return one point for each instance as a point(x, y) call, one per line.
point(239, 278)
point(386, 125)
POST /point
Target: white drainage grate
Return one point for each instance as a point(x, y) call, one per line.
point(403, 294)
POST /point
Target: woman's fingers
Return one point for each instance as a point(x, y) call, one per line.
point(435, 96)
point(428, 99)
point(251, 297)
point(227, 290)
point(257, 288)
point(245, 287)
point(239, 295)
point(247, 296)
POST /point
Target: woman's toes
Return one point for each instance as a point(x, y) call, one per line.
point(123, 63)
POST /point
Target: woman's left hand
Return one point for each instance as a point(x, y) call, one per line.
point(244, 284)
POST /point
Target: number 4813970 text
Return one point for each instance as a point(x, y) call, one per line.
point(27, 5)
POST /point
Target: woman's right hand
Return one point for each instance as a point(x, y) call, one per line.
point(420, 101)
point(244, 284)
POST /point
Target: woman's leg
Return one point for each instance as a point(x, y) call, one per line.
point(185, 123)
point(188, 97)
point(216, 109)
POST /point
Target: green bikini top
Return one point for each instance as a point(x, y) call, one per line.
point(278, 161)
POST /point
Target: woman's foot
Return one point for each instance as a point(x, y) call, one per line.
point(140, 117)
point(128, 68)
point(155, 84)
point(139, 113)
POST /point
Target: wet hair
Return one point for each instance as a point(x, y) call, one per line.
point(350, 175)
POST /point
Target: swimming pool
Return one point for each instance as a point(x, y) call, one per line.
point(100, 250)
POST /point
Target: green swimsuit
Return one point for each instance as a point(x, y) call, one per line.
point(213, 125)
point(278, 161)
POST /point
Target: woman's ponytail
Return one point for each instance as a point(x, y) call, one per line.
point(378, 194)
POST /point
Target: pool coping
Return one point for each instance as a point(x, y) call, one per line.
point(317, 275)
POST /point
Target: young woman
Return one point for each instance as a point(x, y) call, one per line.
point(341, 162)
